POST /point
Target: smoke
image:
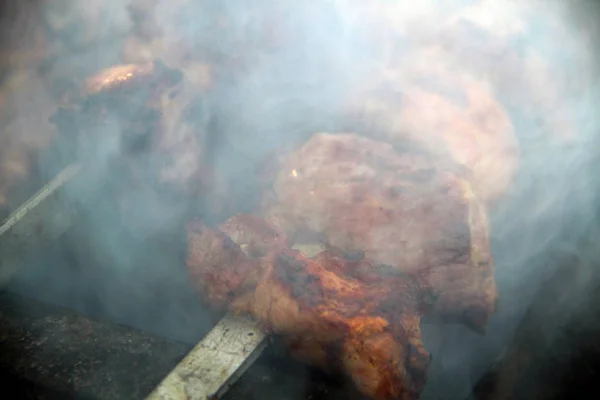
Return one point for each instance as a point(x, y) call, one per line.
point(553, 205)
point(280, 72)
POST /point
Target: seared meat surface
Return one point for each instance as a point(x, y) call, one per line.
point(333, 313)
point(407, 210)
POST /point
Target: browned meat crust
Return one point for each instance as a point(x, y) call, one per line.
point(405, 210)
point(332, 312)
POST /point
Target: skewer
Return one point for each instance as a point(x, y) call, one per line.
point(216, 363)
point(38, 222)
point(220, 359)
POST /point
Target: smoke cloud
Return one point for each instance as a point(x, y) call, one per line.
point(279, 73)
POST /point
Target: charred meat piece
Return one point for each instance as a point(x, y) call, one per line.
point(407, 210)
point(371, 332)
point(139, 121)
point(333, 313)
point(445, 113)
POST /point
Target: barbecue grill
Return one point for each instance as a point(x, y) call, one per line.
point(82, 343)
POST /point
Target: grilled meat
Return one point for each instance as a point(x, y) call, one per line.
point(123, 100)
point(139, 121)
point(405, 235)
point(118, 106)
point(334, 313)
point(406, 210)
point(445, 113)
point(121, 77)
point(225, 263)
point(517, 59)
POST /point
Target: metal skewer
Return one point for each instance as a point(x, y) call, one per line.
point(38, 222)
point(220, 359)
point(216, 363)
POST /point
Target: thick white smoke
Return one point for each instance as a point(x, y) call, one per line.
point(299, 59)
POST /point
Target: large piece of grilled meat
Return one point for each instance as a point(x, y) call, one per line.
point(334, 313)
point(406, 210)
point(397, 235)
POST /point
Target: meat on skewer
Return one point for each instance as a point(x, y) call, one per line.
point(333, 313)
